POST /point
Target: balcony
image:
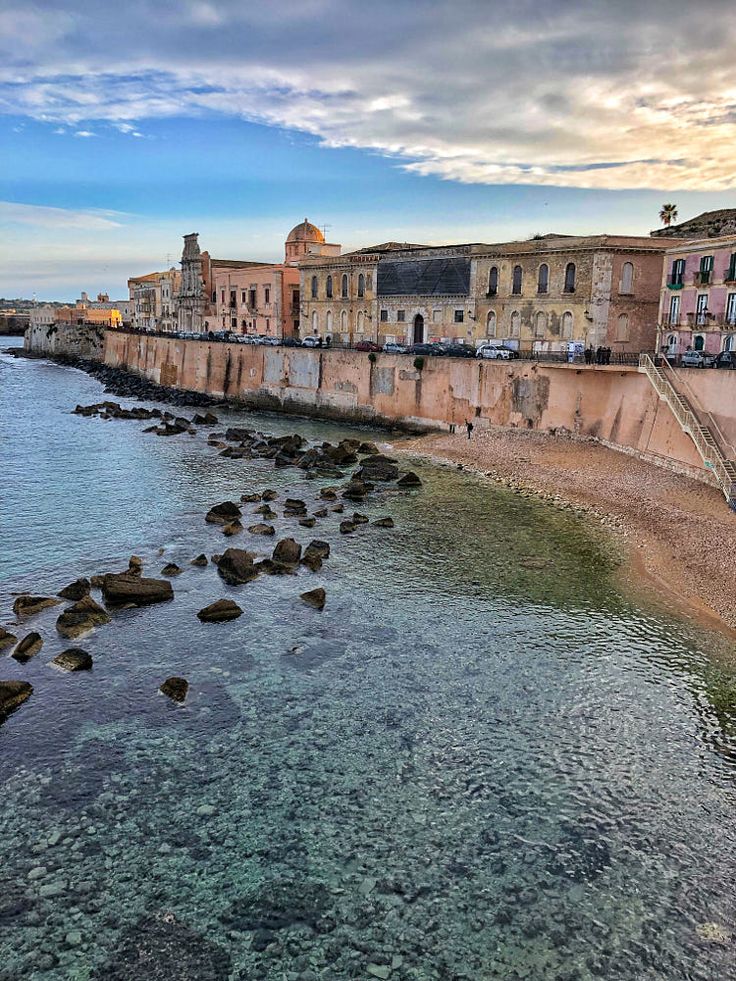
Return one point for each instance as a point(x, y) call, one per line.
point(675, 283)
point(704, 277)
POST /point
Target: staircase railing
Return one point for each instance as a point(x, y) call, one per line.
point(724, 470)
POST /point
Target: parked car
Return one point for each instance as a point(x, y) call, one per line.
point(392, 348)
point(726, 359)
point(269, 341)
point(428, 350)
point(498, 352)
point(458, 351)
point(698, 359)
point(367, 346)
point(312, 341)
point(290, 342)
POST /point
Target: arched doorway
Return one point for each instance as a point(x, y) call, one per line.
point(699, 342)
point(419, 329)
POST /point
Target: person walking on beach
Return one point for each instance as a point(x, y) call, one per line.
point(469, 427)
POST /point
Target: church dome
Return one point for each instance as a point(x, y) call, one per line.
point(305, 232)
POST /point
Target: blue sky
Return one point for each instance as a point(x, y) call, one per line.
point(238, 122)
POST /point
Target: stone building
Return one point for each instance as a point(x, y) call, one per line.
point(698, 296)
point(538, 295)
point(153, 300)
point(711, 224)
point(264, 298)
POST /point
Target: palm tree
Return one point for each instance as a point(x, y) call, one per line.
point(668, 214)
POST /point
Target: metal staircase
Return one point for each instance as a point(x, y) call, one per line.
point(710, 448)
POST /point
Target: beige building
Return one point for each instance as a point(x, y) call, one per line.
point(536, 295)
point(153, 300)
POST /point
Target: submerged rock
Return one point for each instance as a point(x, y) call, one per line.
point(318, 547)
point(26, 605)
point(262, 529)
point(315, 597)
point(328, 493)
point(346, 527)
point(250, 498)
point(266, 512)
point(201, 560)
point(223, 514)
point(367, 448)
point(75, 590)
point(232, 528)
point(175, 688)
point(13, 694)
point(386, 522)
point(171, 569)
point(28, 647)
point(81, 617)
point(356, 490)
point(287, 551)
point(378, 467)
point(269, 495)
point(220, 611)
point(7, 639)
point(410, 479)
point(320, 513)
point(73, 659)
point(307, 522)
point(120, 588)
point(360, 519)
point(236, 566)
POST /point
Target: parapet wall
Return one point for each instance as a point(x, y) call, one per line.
point(71, 340)
point(615, 404)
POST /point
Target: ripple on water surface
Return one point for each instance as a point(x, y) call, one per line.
point(479, 761)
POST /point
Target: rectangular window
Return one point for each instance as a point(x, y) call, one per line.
point(234, 322)
point(731, 274)
point(436, 316)
point(701, 311)
point(267, 296)
point(706, 269)
point(677, 274)
point(459, 316)
point(369, 281)
point(401, 316)
point(674, 310)
point(252, 298)
point(243, 297)
point(233, 298)
point(384, 316)
point(222, 297)
point(731, 310)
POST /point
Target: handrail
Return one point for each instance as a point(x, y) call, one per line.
point(681, 409)
point(699, 410)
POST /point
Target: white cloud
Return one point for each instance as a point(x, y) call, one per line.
point(57, 218)
point(84, 133)
point(581, 93)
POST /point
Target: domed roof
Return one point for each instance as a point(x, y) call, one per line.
point(305, 232)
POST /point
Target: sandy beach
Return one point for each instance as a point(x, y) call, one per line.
point(679, 533)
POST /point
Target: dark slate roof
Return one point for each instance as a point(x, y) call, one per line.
point(424, 277)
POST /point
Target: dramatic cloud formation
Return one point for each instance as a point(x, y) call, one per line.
point(579, 93)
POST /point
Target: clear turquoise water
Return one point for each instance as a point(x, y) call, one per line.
point(469, 769)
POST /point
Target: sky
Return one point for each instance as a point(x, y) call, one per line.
point(125, 126)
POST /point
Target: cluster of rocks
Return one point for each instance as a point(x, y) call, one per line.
point(124, 384)
point(170, 424)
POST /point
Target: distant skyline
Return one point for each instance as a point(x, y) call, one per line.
point(123, 128)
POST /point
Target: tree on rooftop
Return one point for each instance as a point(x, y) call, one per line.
point(668, 214)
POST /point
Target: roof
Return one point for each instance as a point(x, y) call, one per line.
point(237, 263)
point(305, 232)
point(424, 277)
point(388, 247)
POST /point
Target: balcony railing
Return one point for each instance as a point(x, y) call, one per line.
point(675, 283)
point(703, 277)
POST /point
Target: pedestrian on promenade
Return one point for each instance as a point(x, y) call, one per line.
point(607, 358)
point(588, 355)
point(599, 355)
point(469, 427)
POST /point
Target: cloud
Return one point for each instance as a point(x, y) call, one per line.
point(84, 133)
point(580, 93)
point(57, 218)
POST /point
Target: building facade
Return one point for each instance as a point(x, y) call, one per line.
point(153, 300)
point(698, 297)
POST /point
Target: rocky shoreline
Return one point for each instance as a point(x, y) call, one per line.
point(677, 533)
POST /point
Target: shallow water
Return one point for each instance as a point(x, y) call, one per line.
point(469, 765)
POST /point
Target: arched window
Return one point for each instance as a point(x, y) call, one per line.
point(540, 325)
point(328, 327)
point(627, 278)
point(361, 285)
point(328, 291)
point(517, 280)
point(361, 319)
point(344, 287)
point(369, 281)
point(543, 279)
point(314, 287)
point(567, 325)
point(622, 327)
point(515, 324)
point(699, 342)
point(570, 272)
point(491, 324)
point(344, 320)
point(315, 322)
point(493, 281)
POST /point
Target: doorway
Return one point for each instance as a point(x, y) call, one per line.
point(419, 329)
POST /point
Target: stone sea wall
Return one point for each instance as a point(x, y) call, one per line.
point(65, 340)
point(614, 404)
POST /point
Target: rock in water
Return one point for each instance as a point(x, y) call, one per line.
point(355, 490)
point(410, 480)
point(28, 647)
point(73, 659)
point(135, 565)
point(250, 498)
point(312, 561)
point(368, 448)
point(201, 560)
point(378, 467)
point(175, 688)
point(346, 527)
point(287, 551)
point(6, 639)
point(315, 598)
point(123, 588)
point(328, 493)
point(269, 495)
point(236, 566)
point(359, 519)
point(76, 590)
point(307, 522)
point(384, 522)
point(262, 529)
point(232, 528)
point(171, 569)
point(13, 694)
point(223, 514)
point(26, 605)
point(81, 617)
point(220, 611)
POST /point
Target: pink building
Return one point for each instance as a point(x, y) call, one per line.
point(698, 297)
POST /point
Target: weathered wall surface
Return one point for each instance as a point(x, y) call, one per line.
point(79, 340)
point(614, 404)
